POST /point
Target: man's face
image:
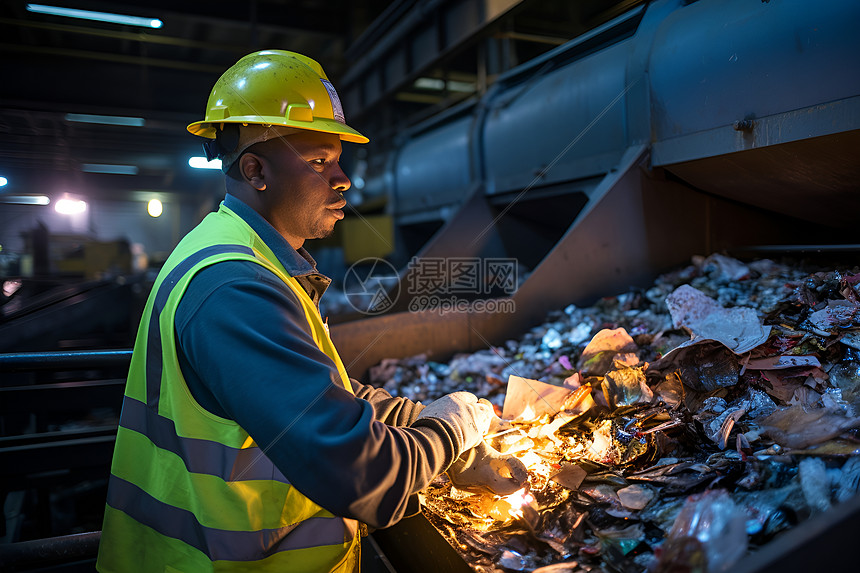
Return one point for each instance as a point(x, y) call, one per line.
point(304, 185)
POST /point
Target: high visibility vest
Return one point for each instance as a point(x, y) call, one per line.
point(190, 491)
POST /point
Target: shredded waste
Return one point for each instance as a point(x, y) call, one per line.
point(677, 428)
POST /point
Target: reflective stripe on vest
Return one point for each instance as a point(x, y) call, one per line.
point(218, 544)
point(153, 351)
point(190, 490)
point(200, 456)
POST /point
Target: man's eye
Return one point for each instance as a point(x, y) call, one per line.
point(318, 162)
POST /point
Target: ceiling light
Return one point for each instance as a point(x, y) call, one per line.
point(108, 168)
point(430, 84)
point(463, 87)
point(201, 163)
point(105, 119)
point(3, 181)
point(97, 16)
point(154, 208)
point(24, 199)
point(439, 85)
point(70, 206)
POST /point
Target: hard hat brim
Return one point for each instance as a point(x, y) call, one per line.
point(208, 129)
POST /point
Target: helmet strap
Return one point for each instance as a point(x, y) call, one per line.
point(211, 149)
point(226, 139)
point(228, 136)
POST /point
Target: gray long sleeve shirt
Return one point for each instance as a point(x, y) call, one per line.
point(246, 352)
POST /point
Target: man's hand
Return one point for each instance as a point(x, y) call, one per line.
point(462, 410)
point(484, 469)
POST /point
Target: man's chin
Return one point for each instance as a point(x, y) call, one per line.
point(323, 233)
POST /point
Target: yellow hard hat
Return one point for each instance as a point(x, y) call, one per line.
point(275, 87)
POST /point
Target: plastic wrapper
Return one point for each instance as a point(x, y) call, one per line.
point(709, 534)
point(795, 427)
point(815, 484)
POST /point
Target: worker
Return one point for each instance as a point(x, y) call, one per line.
point(243, 444)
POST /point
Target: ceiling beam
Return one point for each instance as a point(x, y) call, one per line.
point(143, 37)
point(117, 58)
point(536, 38)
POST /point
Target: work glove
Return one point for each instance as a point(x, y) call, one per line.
point(484, 469)
point(469, 418)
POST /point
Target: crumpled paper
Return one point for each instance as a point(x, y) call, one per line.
point(530, 399)
point(782, 362)
point(837, 315)
point(738, 329)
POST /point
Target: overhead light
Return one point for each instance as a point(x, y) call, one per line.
point(109, 168)
point(24, 199)
point(154, 208)
point(3, 181)
point(106, 119)
point(70, 206)
point(438, 85)
point(463, 87)
point(430, 84)
point(202, 163)
point(97, 16)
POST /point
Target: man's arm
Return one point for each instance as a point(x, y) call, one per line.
point(247, 341)
point(387, 409)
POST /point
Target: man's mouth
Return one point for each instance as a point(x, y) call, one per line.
point(337, 209)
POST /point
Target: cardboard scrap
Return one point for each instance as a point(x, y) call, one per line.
point(783, 388)
point(570, 476)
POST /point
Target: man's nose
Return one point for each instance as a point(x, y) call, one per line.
point(339, 181)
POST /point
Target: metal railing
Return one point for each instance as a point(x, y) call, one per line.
point(64, 360)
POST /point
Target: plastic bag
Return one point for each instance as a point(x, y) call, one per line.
point(708, 536)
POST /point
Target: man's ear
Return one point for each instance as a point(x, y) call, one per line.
point(251, 169)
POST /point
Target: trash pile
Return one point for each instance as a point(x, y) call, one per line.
point(674, 428)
